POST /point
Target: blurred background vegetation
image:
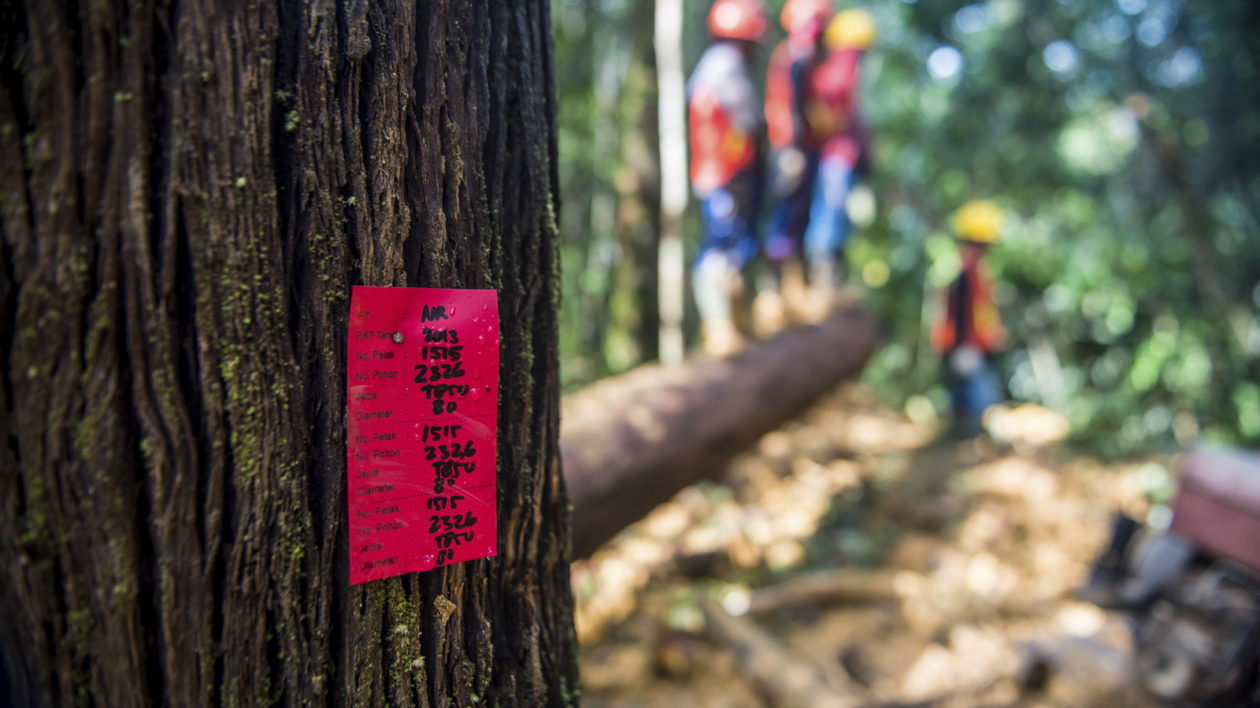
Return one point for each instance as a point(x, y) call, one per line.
point(1121, 138)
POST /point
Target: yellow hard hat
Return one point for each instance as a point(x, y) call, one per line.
point(979, 220)
point(851, 29)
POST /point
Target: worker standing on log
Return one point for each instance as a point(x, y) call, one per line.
point(832, 113)
point(968, 329)
point(726, 168)
point(795, 148)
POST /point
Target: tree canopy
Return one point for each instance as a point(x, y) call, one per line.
point(1118, 136)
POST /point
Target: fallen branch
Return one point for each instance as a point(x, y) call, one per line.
point(783, 678)
point(849, 585)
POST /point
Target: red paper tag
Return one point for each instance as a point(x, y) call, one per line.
point(423, 391)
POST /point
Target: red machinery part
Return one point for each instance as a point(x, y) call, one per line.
point(1218, 504)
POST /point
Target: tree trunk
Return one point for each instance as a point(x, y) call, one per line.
point(672, 105)
point(189, 191)
point(635, 305)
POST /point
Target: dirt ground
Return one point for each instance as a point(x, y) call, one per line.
point(854, 559)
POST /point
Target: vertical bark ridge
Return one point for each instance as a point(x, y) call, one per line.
point(17, 536)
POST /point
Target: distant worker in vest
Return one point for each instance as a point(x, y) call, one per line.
point(968, 329)
point(726, 168)
point(795, 149)
point(833, 113)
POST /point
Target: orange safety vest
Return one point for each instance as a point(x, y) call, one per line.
point(981, 322)
point(719, 148)
point(779, 124)
point(782, 103)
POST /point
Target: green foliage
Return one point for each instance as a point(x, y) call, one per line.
point(604, 92)
point(1121, 138)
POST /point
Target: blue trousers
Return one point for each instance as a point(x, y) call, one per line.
point(791, 215)
point(829, 224)
point(970, 394)
point(728, 214)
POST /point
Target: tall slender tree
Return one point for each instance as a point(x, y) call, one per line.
point(189, 191)
point(638, 182)
point(673, 136)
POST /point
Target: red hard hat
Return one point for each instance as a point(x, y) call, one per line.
point(738, 19)
point(805, 17)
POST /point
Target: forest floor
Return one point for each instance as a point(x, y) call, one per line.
point(853, 558)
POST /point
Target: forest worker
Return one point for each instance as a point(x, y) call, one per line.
point(726, 165)
point(794, 147)
point(968, 329)
point(832, 111)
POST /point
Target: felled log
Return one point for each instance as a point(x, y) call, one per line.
point(630, 442)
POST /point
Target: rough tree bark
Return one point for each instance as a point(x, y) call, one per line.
point(189, 190)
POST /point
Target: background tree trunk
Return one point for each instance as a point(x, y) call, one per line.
point(673, 136)
point(188, 192)
point(634, 308)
